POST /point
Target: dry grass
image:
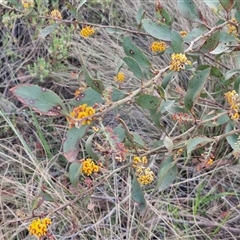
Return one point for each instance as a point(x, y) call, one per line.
point(199, 205)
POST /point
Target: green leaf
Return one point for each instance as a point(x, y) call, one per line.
point(163, 16)
point(95, 84)
point(167, 173)
point(36, 202)
point(134, 67)
point(46, 196)
point(220, 121)
point(189, 10)
point(47, 30)
point(210, 43)
point(71, 142)
point(212, 4)
point(196, 32)
point(88, 147)
point(137, 139)
point(161, 91)
point(120, 132)
point(231, 73)
point(172, 109)
point(167, 79)
point(72, 10)
point(237, 85)
point(147, 101)
point(114, 30)
point(177, 42)
point(214, 70)
point(136, 53)
point(119, 65)
point(224, 42)
point(196, 142)
point(232, 139)
point(117, 94)
point(88, 96)
point(15, 3)
point(227, 4)
point(157, 30)
point(40, 99)
point(140, 15)
point(137, 194)
point(74, 173)
point(156, 117)
point(237, 15)
point(195, 86)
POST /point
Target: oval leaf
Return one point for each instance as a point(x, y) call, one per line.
point(88, 96)
point(227, 4)
point(117, 94)
point(137, 194)
point(71, 143)
point(47, 30)
point(88, 147)
point(136, 53)
point(157, 30)
point(189, 10)
point(196, 32)
point(232, 139)
point(211, 43)
point(74, 173)
point(196, 142)
point(195, 86)
point(177, 42)
point(95, 84)
point(147, 101)
point(133, 67)
point(40, 99)
point(140, 15)
point(163, 15)
point(167, 173)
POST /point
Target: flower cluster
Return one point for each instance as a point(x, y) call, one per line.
point(82, 111)
point(182, 117)
point(183, 33)
point(120, 77)
point(179, 60)
point(144, 174)
point(234, 101)
point(56, 14)
point(89, 167)
point(232, 28)
point(27, 3)
point(158, 47)
point(39, 227)
point(87, 31)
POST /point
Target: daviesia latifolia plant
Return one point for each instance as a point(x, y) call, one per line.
point(198, 56)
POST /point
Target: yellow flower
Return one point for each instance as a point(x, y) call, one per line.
point(158, 47)
point(39, 227)
point(80, 112)
point(232, 29)
point(146, 177)
point(56, 14)
point(27, 3)
point(179, 60)
point(183, 33)
point(234, 101)
point(144, 174)
point(120, 77)
point(87, 31)
point(89, 167)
